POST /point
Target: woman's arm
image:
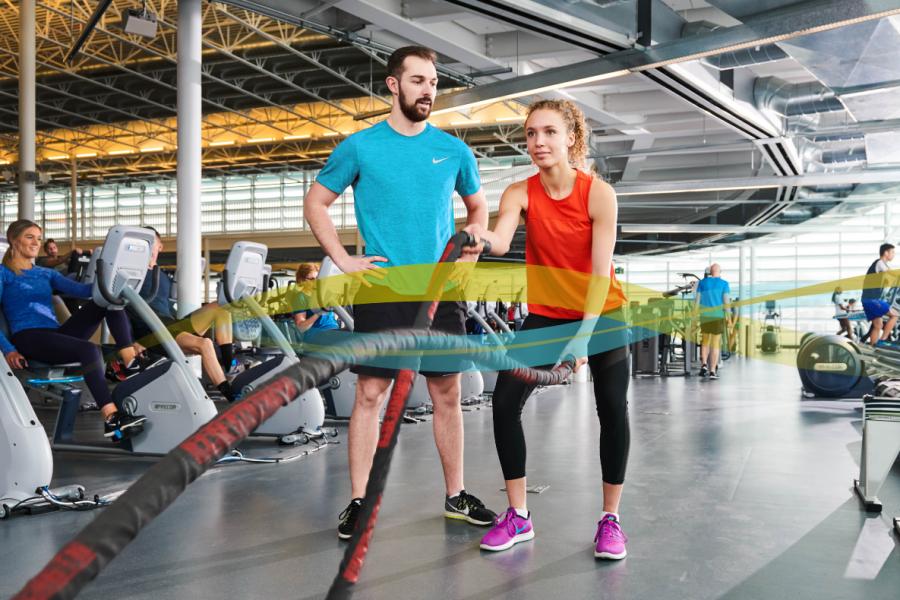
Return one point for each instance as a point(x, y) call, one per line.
point(5, 345)
point(513, 203)
point(69, 287)
point(303, 322)
point(604, 213)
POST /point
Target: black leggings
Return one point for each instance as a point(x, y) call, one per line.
point(71, 343)
point(611, 376)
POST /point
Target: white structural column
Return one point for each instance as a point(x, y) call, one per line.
point(189, 155)
point(752, 308)
point(27, 175)
point(742, 287)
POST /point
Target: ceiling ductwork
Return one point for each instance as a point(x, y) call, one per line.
point(746, 57)
point(737, 59)
point(774, 95)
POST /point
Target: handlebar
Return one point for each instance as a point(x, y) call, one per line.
point(226, 289)
point(154, 283)
point(101, 285)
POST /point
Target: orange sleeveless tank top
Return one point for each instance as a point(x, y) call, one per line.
point(558, 237)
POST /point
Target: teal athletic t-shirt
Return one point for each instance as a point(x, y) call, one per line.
point(403, 189)
point(711, 290)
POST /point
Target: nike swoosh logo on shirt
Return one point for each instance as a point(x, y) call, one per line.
point(435, 161)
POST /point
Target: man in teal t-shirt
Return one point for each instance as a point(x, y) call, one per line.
point(712, 305)
point(403, 172)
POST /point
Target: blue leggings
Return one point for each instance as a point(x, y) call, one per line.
point(71, 343)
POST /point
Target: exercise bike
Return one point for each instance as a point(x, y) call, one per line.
point(168, 393)
point(26, 460)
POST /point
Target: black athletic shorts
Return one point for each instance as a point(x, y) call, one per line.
point(374, 317)
point(713, 327)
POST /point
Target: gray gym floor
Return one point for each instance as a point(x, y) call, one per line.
point(736, 489)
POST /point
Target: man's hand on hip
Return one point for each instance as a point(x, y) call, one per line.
point(360, 266)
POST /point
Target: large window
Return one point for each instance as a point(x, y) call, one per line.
point(799, 271)
point(271, 202)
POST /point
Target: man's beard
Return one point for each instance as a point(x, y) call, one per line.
point(414, 111)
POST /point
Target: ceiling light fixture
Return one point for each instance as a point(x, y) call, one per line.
point(728, 188)
point(140, 21)
point(533, 91)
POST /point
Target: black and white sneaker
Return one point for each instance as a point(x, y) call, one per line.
point(348, 519)
point(714, 374)
point(120, 426)
point(466, 507)
point(704, 372)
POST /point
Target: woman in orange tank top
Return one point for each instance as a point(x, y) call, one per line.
point(570, 220)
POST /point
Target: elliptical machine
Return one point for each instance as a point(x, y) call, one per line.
point(243, 277)
point(771, 329)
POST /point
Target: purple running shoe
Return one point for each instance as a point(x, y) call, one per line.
point(609, 539)
point(509, 529)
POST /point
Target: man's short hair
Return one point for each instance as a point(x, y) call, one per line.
point(159, 237)
point(395, 62)
point(884, 248)
point(47, 243)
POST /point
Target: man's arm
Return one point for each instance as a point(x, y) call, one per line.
point(54, 261)
point(726, 306)
point(476, 219)
point(476, 208)
point(315, 211)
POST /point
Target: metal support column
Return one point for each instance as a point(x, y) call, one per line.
point(27, 103)
point(189, 155)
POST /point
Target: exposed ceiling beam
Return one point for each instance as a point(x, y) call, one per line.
point(752, 183)
point(800, 19)
point(282, 43)
point(671, 228)
point(448, 39)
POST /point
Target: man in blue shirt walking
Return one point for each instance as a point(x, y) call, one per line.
point(403, 172)
point(712, 307)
